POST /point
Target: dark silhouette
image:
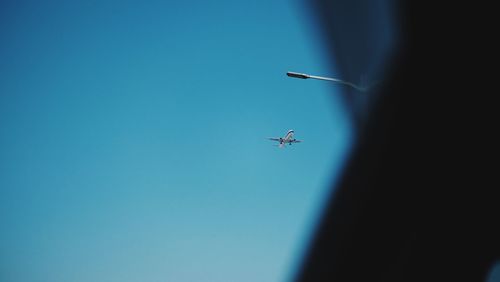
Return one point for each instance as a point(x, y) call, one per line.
point(416, 201)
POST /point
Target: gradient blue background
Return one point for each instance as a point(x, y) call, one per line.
point(133, 140)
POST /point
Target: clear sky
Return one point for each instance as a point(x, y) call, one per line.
point(133, 140)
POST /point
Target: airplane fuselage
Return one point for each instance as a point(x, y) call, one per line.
point(287, 139)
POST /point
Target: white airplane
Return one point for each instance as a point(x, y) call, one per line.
point(288, 139)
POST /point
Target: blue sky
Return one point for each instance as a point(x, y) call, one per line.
point(133, 139)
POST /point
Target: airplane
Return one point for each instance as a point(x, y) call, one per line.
point(287, 139)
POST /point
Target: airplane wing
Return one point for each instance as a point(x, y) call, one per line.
point(296, 141)
point(274, 139)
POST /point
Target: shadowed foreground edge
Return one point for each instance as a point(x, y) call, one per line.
point(416, 201)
